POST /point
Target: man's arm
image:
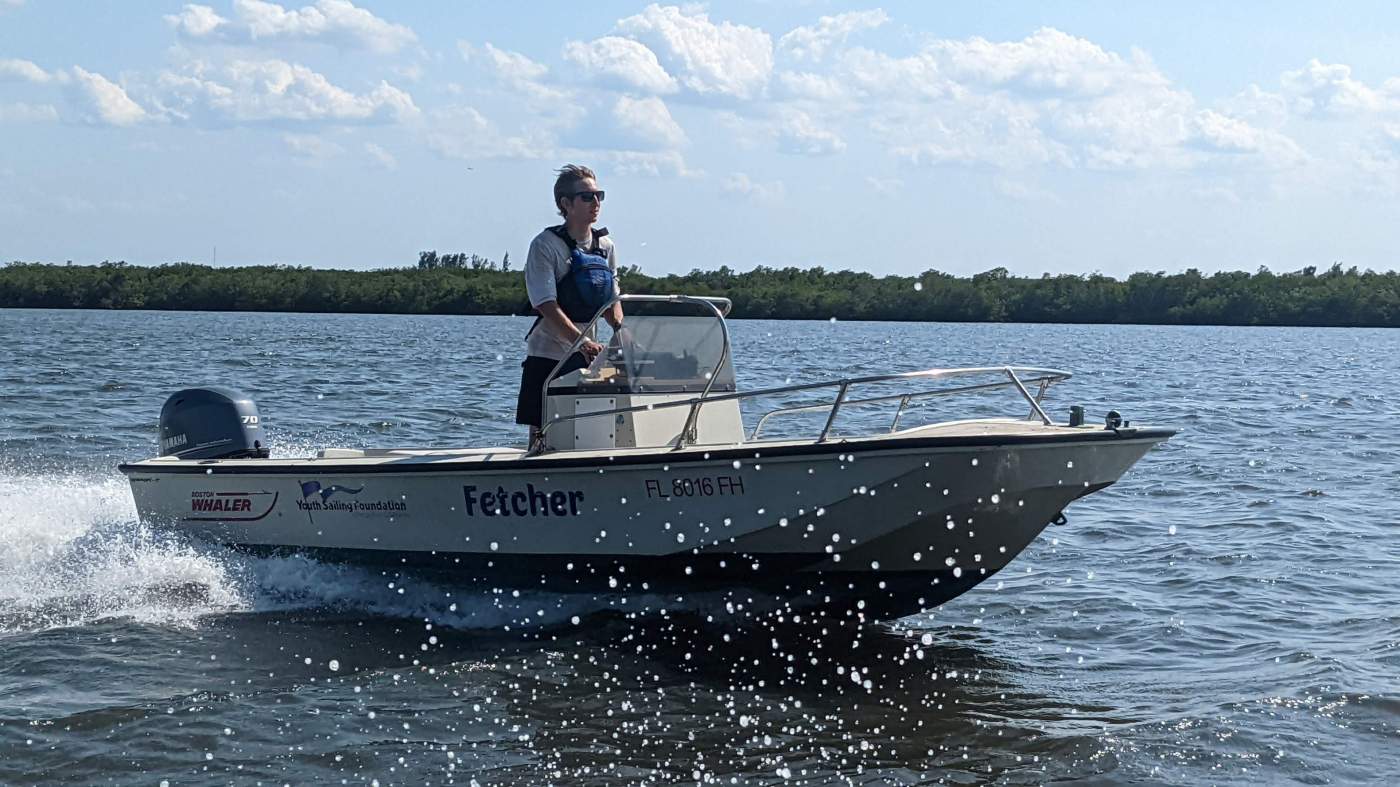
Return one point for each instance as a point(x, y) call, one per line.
point(560, 322)
point(540, 286)
point(614, 315)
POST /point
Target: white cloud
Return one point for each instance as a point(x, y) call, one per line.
point(1328, 89)
point(514, 70)
point(711, 59)
point(798, 133)
point(870, 74)
point(621, 62)
point(630, 162)
point(338, 22)
point(381, 157)
point(1127, 129)
point(4, 4)
point(1046, 62)
point(813, 42)
point(648, 122)
point(312, 146)
point(274, 90)
point(104, 101)
point(13, 68)
point(742, 184)
point(510, 66)
point(1048, 99)
point(816, 87)
point(1219, 133)
point(1258, 105)
point(27, 113)
point(1226, 133)
point(195, 21)
point(1317, 90)
point(466, 134)
point(995, 130)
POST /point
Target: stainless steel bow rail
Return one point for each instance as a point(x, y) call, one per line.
point(1042, 378)
point(1017, 377)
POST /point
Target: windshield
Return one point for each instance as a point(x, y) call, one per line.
point(655, 353)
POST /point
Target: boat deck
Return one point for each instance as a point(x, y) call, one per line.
point(954, 433)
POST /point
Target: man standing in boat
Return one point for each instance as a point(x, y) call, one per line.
point(570, 272)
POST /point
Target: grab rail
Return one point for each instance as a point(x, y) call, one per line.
point(1043, 376)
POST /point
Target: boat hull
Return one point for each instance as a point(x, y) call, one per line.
point(894, 525)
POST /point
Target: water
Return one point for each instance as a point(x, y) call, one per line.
point(1228, 613)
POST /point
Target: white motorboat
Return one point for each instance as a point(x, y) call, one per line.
point(649, 481)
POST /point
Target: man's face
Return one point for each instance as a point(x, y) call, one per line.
point(584, 208)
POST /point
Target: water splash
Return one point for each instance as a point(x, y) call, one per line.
point(73, 552)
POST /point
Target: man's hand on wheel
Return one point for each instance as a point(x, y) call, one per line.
point(590, 349)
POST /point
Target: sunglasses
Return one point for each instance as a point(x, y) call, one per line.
point(589, 196)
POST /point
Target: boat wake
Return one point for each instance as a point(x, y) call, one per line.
point(72, 553)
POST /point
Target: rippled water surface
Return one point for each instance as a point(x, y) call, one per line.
point(1228, 613)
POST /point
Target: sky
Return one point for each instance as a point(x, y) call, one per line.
point(890, 137)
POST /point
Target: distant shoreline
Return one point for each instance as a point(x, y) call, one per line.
point(476, 286)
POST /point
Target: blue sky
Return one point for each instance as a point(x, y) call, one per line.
point(887, 137)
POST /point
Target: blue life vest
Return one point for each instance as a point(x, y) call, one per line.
point(589, 284)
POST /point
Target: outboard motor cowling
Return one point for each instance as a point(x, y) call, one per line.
point(211, 423)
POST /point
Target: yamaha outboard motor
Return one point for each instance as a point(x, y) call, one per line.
point(211, 423)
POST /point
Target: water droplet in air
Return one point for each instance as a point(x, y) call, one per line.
point(1171, 530)
point(918, 286)
point(334, 665)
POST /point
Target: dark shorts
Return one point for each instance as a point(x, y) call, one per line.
point(532, 378)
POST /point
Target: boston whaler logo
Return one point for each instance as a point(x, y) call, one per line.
point(316, 496)
point(230, 506)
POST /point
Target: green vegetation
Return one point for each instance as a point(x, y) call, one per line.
point(469, 284)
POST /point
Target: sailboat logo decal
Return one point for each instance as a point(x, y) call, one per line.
point(309, 488)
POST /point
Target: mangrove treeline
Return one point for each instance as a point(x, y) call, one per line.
point(475, 285)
